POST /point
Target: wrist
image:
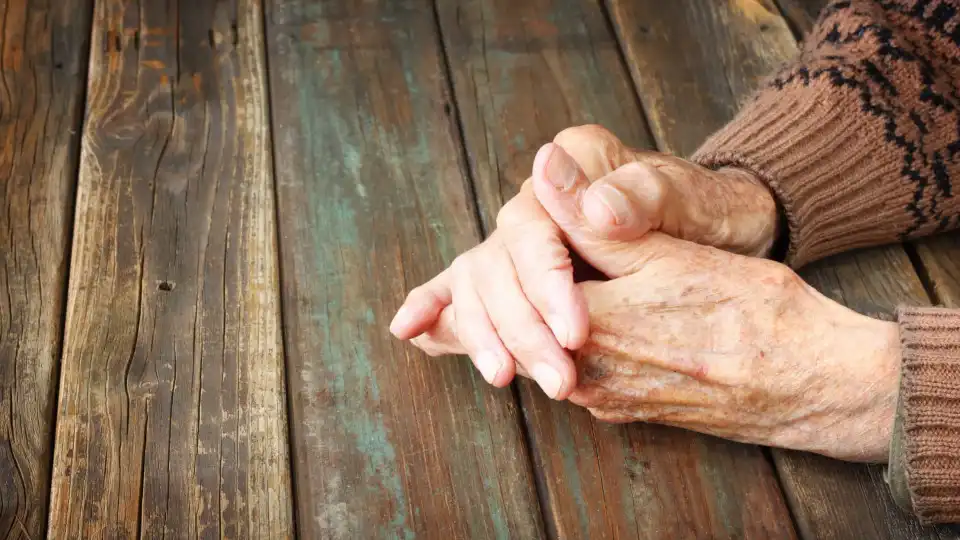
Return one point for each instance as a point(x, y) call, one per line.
point(864, 358)
point(754, 221)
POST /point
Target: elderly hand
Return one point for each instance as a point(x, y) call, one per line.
point(513, 303)
point(739, 348)
point(720, 343)
point(735, 347)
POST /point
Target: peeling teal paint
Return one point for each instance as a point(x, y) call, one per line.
point(351, 161)
point(336, 199)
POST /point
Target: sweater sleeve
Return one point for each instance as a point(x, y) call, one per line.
point(859, 139)
point(924, 466)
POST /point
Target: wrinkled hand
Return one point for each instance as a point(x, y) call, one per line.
point(735, 347)
point(512, 302)
point(739, 348)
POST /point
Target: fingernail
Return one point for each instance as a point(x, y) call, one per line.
point(560, 170)
point(614, 201)
point(489, 365)
point(548, 378)
point(400, 320)
point(560, 331)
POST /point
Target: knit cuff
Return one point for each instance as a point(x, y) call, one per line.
point(826, 162)
point(925, 451)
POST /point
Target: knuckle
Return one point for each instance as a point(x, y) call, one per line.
point(557, 266)
point(421, 293)
point(534, 237)
point(510, 214)
point(425, 345)
point(777, 275)
point(578, 134)
point(645, 181)
point(639, 168)
point(589, 396)
point(597, 150)
point(462, 262)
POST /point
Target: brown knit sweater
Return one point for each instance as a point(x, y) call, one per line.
point(859, 139)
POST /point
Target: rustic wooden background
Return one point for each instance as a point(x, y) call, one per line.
point(210, 210)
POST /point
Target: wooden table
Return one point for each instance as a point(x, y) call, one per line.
point(210, 210)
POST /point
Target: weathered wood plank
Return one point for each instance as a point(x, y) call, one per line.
point(172, 405)
point(940, 256)
point(729, 46)
point(373, 200)
point(522, 72)
point(43, 55)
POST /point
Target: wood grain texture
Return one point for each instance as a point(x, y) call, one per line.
point(43, 52)
point(940, 257)
point(172, 406)
point(373, 200)
point(522, 72)
point(729, 47)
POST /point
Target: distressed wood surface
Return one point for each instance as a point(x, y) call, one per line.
point(374, 200)
point(522, 72)
point(43, 52)
point(172, 407)
point(940, 257)
point(728, 48)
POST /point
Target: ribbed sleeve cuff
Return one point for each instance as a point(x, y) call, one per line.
point(825, 161)
point(925, 451)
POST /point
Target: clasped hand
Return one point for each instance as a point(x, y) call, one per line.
point(694, 329)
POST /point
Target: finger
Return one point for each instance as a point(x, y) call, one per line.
point(613, 256)
point(422, 307)
point(627, 203)
point(647, 386)
point(595, 148)
point(621, 205)
point(478, 335)
point(544, 266)
point(441, 339)
point(559, 184)
point(649, 345)
point(524, 333)
point(545, 272)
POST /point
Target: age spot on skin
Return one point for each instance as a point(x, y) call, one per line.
point(701, 372)
point(594, 371)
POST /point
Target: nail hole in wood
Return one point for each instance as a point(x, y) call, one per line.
point(116, 43)
point(166, 286)
point(136, 39)
point(236, 33)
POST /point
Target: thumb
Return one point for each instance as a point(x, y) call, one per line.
point(603, 221)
